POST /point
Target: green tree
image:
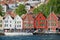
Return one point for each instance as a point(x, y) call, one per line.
point(52, 5)
point(20, 10)
point(1, 11)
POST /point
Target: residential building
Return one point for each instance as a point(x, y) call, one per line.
point(40, 22)
point(18, 23)
point(28, 22)
point(4, 8)
point(8, 23)
point(52, 22)
point(1, 23)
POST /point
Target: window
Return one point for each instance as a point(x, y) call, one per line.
point(0, 25)
point(10, 21)
point(15, 21)
point(18, 21)
point(42, 24)
point(42, 20)
point(49, 29)
point(0, 21)
point(18, 25)
point(6, 25)
point(26, 24)
point(6, 21)
point(51, 24)
point(10, 25)
point(31, 25)
point(53, 21)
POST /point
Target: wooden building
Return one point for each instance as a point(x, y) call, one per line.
point(1, 23)
point(28, 22)
point(52, 22)
point(40, 22)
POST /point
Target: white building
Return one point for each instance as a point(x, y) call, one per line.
point(33, 2)
point(1, 23)
point(18, 22)
point(4, 8)
point(11, 6)
point(8, 23)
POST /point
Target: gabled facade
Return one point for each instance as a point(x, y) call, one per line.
point(1, 23)
point(40, 22)
point(18, 22)
point(28, 21)
point(58, 22)
point(8, 23)
point(52, 22)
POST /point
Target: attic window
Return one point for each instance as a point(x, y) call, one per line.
point(40, 17)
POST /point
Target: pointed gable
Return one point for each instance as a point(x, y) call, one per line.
point(40, 21)
point(8, 17)
point(40, 16)
point(28, 21)
point(52, 22)
point(17, 17)
point(52, 16)
point(28, 17)
point(18, 22)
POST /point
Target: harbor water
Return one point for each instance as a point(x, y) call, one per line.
point(32, 37)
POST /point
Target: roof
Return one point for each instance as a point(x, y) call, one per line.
point(12, 14)
point(40, 13)
point(52, 13)
point(27, 15)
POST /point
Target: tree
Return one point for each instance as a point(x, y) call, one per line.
point(52, 5)
point(20, 10)
point(1, 11)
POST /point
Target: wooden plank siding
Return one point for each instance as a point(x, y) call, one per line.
point(52, 22)
point(40, 21)
point(28, 21)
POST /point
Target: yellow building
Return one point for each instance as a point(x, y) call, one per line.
point(1, 23)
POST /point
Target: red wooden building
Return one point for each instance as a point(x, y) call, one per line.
point(28, 22)
point(40, 22)
point(52, 22)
